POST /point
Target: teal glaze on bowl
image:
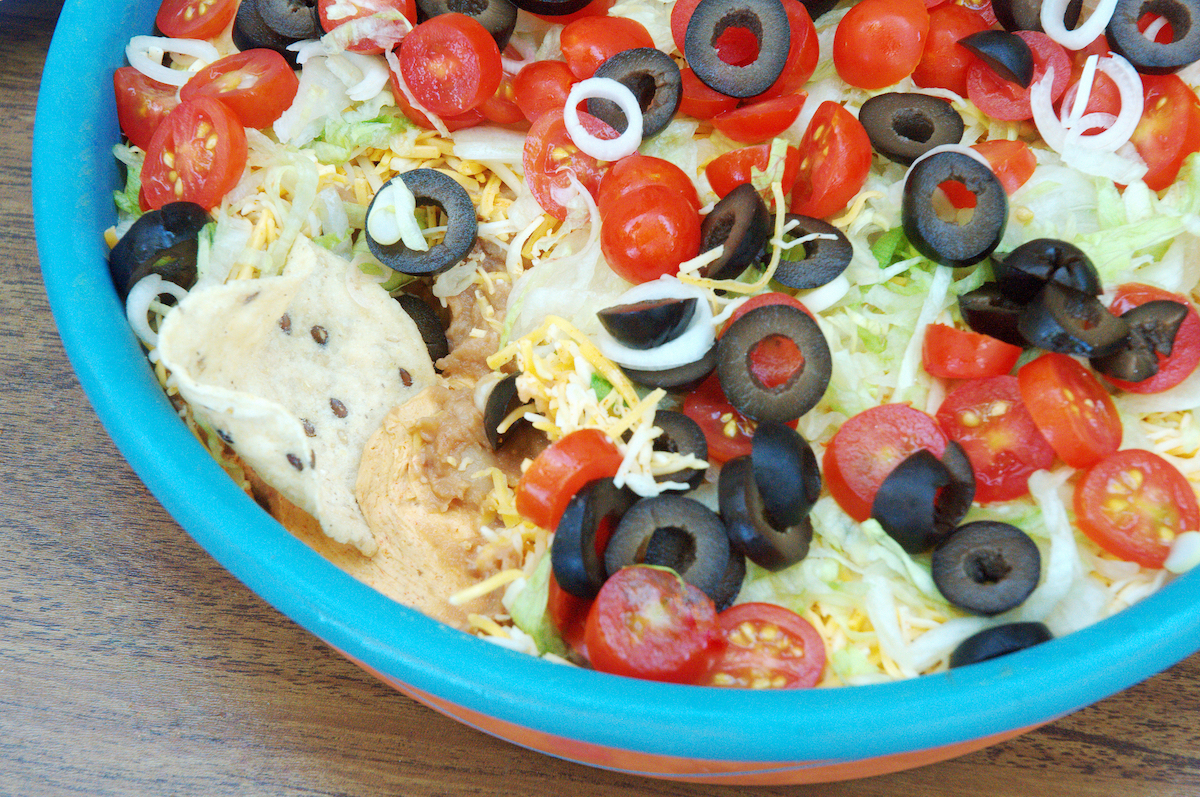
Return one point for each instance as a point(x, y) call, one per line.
point(74, 174)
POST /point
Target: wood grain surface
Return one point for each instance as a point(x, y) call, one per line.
point(131, 664)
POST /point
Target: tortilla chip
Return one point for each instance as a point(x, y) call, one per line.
point(295, 373)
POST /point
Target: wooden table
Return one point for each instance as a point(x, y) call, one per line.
point(131, 664)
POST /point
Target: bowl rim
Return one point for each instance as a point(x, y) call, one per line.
point(76, 115)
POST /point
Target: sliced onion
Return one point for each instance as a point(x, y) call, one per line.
point(374, 76)
point(690, 346)
point(605, 89)
point(1059, 136)
point(141, 296)
point(525, 49)
point(145, 54)
point(1054, 14)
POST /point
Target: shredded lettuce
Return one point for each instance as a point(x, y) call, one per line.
point(528, 610)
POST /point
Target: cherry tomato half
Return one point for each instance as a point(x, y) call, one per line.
point(869, 446)
point(257, 85)
point(726, 431)
point(142, 104)
point(760, 121)
point(1003, 99)
point(194, 19)
point(1169, 130)
point(649, 233)
point(803, 53)
point(502, 107)
point(1133, 504)
point(729, 170)
point(637, 171)
point(991, 423)
point(766, 647)
point(542, 86)
point(450, 63)
point(699, 100)
point(197, 155)
point(1071, 408)
point(647, 622)
point(559, 472)
point(835, 158)
point(549, 154)
point(588, 42)
point(880, 42)
point(1185, 353)
point(952, 353)
point(944, 62)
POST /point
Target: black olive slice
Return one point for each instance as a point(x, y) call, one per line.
point(250, 32)
point(682, 378)
point(1148, 56)
point(796, 395)
point(818, 7)
point(551, 8)
point(1006, 53)
point(498, 17)
point(813, 263)
point(731, 583)
point(1152, 330)
point(672, 531)
point(428, 324)
point(1068, 321)
point(501, 402)
point(921, 500)
point(948, 242)
point(1025, 270)
point(750, 530)
point(987, 567)
point(998, 641)
point(163, 242)
point(741, 222)
point(903, 126)
point(1017, 15)
point(653, 77)
point(292, 19)
point(988, 311)
point(681, 435)
point(577, 566)
point(765, 19)
point(431, 187)
point(648, 324)
point(955, 500)
point(786, 470)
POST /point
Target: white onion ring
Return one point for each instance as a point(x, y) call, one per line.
point(690, 346)
point(1054, 23)
point(1057, 135)
point(526, 50)
point(374, 76)
point(604, 88)
point(145, 54)
point(141, 296)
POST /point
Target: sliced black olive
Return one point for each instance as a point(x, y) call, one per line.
point(162, 242)
point(1152, 330)
point(577, 567)
point(1149, 56)
point(998, 641)
point(786, 470)
point(431, 187)
point(948, 242)
point(551, 8)
point(681, 435)
point(501, 402)
point(742, 224)
point(653, 77)
point(682, 378)
point(1017, 15)
point(903, 126)
point(750, 530)
point(1068, 321)
point(648, 324)
point(988, 311)
point(767, 22)
point(428, 324)
point(818, 7)
point(1006, 53)
point(672, 531)
point(987, 567)
point(813, 263)
point(921, 500)
point(251, 31)
point(1025, 270)
point(498, 17)
point(731, 583)
point(292, 19)
point(735, 364)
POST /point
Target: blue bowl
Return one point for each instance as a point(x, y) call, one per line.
point(687, 733)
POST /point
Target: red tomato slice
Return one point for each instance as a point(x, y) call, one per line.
point(869, 446)
point(729, 170)
point(550, 153)
point(257, 85)
point(542, 86)
point(766, 647)
point(371, 23)
point(1185, 353)
point(991, 423)
point(590, 41)
point(469, 119)
point(944, 63)
point(952, 353)
point(1169, 130)
point(1003, 99)
point(569, 614)
point(835, 160)
point(450, 63)
point(726, 431)
point(1133, 504)
point(1071, 408)
point(880, 42)
point(194, 19)
point(751, 124)
point(197, 155)
point(649, 232)
point(559, 472)
point(501, 108)
point(803, 53)
point(700, 101)
point(142, 104)
point(637, 171)
point(647, 622)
